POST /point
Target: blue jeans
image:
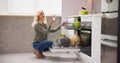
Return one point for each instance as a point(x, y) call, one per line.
point(42, 45)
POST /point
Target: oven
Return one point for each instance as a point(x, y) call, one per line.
point(109, 27)
point(109, 8)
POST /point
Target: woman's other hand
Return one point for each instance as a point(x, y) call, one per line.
point(52, 21)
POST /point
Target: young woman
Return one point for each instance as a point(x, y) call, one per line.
point(41, 31)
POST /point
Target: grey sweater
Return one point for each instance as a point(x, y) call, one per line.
point(42, 30)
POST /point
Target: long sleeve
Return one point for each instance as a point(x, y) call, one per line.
point(41, 32)
point(55, 29)
point(42, 29)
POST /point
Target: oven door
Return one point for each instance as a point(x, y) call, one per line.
point(109, 26)
point(109, 29)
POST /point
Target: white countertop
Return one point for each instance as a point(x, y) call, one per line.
point(86, 15)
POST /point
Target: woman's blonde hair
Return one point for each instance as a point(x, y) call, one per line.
point(36, 18)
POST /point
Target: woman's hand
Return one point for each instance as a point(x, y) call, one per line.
point(63, 23)
point(52, 21)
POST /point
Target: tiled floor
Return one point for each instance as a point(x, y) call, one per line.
point(30, 58)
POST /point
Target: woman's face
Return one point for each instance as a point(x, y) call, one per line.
point(41, 16)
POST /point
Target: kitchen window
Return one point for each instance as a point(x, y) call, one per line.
point(30, 6)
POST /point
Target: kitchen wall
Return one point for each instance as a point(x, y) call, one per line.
point(96, 6)
point(16, 33)
point(71, 7)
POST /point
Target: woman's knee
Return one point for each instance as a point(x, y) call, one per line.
point(50, 42)
point(47, 42)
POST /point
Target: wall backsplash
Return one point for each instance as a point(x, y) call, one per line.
point(16, 33)
point(96, 6)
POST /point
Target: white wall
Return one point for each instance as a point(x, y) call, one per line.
point(96, 6)
point(50, 6)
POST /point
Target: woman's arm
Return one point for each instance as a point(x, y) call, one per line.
point(57, 28)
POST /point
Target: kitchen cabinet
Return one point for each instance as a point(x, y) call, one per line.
point(108, 54)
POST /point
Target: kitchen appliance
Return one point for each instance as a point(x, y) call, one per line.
point(86, 33)
point(109, 5)
point(86, 37)
point(109, 28)
point(109, 31)
point(63, 41)
point(109, 8)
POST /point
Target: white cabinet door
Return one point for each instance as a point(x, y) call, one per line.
point(109, 5)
